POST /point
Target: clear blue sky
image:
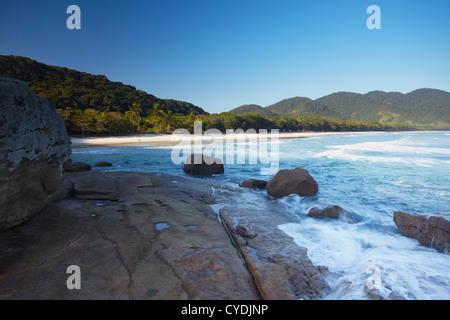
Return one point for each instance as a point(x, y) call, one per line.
point(220, 54)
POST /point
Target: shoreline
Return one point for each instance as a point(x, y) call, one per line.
point(137, 140)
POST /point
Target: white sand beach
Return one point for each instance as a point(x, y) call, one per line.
point(136, 140)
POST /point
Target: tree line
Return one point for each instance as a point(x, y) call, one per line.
point(91, 122)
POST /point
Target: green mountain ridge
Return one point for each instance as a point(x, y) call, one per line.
point(70, 89)
point(422, 107)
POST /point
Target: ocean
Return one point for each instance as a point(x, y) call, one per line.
point(369, 174)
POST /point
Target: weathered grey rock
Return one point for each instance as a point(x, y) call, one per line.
point(102, 164)
point(155, 243)
point(33, 148)
point(253, 183)
point(199, 164)
point(296, 181)
point(432, 231)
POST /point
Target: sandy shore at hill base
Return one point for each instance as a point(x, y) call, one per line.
point(145, 139)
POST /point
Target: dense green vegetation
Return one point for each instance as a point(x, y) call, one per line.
point(93, 106)
point(76, 91)
point(90, 122)
point(422, 108)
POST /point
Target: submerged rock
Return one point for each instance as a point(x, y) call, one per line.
point(199, 164)
point(296, 181)
point(253, 183)
point(70, 166)
point(432, 231)
point(334, 212)
point(102, 164)
point(33, 148)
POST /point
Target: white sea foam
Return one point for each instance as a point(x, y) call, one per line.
point(408, 269)
point(399, 151)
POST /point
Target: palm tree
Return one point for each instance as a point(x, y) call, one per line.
point(134, 115)
point(168, 119)
point(154, 116)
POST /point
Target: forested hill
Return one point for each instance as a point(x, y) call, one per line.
point(73, 90)
point(422, 107)
point(253, 108)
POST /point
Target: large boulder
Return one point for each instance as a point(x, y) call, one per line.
point(33, 148)
point(432, 231)
point(200, 164)
point(296, 181)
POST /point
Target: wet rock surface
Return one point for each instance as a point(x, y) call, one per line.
point(133, 235)
point(152, 236)
point(334, 212)
point(254, 184)
point(280, 268)
point(432, 231)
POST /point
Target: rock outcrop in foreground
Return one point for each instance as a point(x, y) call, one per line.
point(133, 235)
point(152, 236)
point(432, 231)
point(33, 149)
point(296, 181)
point(281, 269)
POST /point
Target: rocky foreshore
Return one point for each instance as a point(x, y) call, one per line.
point(151, 236)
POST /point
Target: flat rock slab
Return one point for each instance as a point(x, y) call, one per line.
point(281, 269)
point(158, 242)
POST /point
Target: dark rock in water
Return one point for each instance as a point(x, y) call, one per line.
point(433, 231)
point(33, 148)
point(296, 181)
point(102, 164)
point(199, 164)
point(253, 183)
point(331, 212)
point(334, 212)
point(77, 166)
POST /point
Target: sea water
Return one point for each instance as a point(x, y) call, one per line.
point(369, 174)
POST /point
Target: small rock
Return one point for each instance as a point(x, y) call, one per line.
point(102, 164)
point(334, 212)
point(77, 167)
point(331, 212)
point(253, 183)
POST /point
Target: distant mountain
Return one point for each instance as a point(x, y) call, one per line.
point(253, 108)
point(71, 89)
point(419, 107)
